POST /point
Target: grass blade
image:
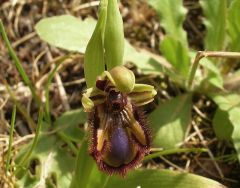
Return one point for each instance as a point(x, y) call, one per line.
point(234, 25)
point(11, 138)
point(174, 151)
point(18, 64)
point(49, 80)
point(25, 158)
point(84, 167)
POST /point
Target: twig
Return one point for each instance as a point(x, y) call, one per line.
point(208, 150)
point(61, 89)
point(24, 39)
point(22, 139)
point(172, 164)
point(86, 5)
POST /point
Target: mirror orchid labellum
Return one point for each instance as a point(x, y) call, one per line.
point(120, 137)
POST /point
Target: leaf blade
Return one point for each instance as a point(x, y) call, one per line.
point(67, 124)
point(222, 126)
point(234, 118)
point(170, 121)
point(65, 31)
point(172, 14)
point(215, 24)
point(177, 54)
point(162, 179)
point(83, 167)
point(234, 25)
point(52, 161)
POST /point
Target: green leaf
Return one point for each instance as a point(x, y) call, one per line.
point(86, 173)
point(222, 126)
point(161, 179)
point(215, 79)
point(213, 75)
point(142, 60)
point(60, 38)
point(50, 163)
point(177, 54)
point(231, 105)
point(175, 46)
point(215, 22)
point(68, 124)
point(234, 25)
point(66, 32)
point(174, 151)
point(226, 102)
point(170, 120)
point(234, 118)
point(172, 14)
point(97, 178)
point(83, 167)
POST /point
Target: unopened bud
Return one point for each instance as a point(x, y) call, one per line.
point(123, 78)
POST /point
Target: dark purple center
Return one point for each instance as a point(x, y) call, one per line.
point(116, 101)
point(120, 146)
point(101, 84)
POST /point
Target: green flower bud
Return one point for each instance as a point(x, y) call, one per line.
point(123, 78)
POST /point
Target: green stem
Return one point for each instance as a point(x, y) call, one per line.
point(21, 109)
point(175, 151)
point(201, 54)
point(49, 81)
point(83, 167)
point(18, 64)
point(105, 181)
point(103, 16)
point(69, 143)
point(25, 158)
point(11, 138)
point(194, 69)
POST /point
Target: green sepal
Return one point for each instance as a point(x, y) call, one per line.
point(88, 103)
point(142, 94)
point(113, 36)
point(94, 63)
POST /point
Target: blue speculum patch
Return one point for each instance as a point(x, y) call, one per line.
point(121, 148)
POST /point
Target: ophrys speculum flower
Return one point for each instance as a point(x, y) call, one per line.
point(120, 137)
